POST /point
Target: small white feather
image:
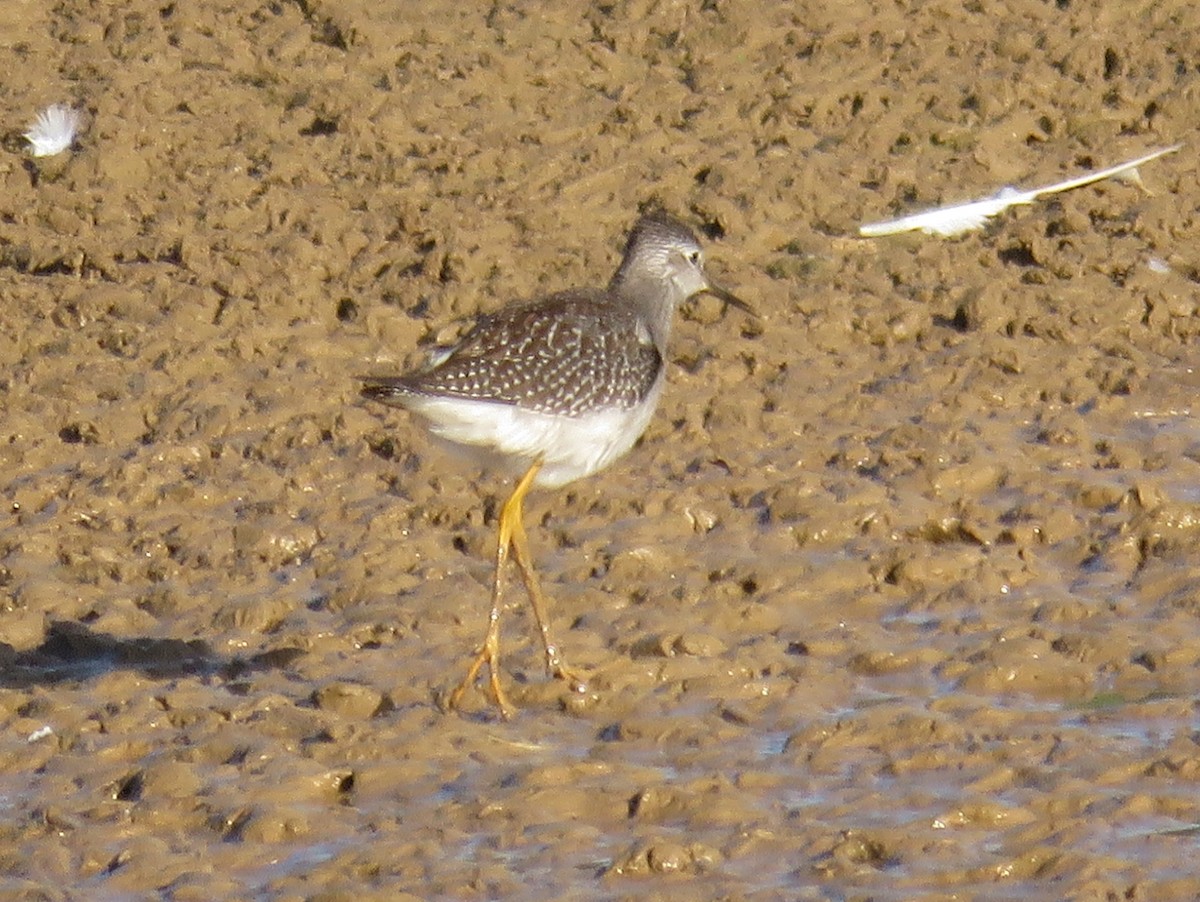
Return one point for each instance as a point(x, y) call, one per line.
point(54, 130)
point(947, 222)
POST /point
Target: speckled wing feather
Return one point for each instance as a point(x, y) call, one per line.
point(570, 353)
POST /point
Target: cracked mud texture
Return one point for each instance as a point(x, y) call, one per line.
point(897, 599)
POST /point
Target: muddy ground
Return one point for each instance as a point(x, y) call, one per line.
point(898, 599)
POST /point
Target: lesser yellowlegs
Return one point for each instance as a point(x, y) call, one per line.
point(556, 389)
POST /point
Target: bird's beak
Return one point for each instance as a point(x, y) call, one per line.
point(730, 298)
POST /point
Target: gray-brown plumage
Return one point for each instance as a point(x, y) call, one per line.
point(568, 354)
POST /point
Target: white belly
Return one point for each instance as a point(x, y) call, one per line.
point(509, 436)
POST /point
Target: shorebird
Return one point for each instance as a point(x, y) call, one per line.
point(553, 390)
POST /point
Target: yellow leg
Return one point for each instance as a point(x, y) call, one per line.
point(554, 663)
point(511, 534)
point(489, 652)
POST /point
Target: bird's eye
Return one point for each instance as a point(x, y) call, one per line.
point(693, 257)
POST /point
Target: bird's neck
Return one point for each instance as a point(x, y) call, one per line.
point(654, 300)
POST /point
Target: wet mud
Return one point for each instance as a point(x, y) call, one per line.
point(897, 599)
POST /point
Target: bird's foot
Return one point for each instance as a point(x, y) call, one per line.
point(491, 658)
point(577, 681)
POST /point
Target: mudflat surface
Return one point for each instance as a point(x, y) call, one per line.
point(898, 599)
